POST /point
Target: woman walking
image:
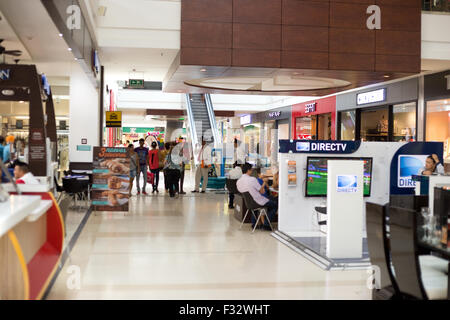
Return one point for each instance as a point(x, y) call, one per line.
point(134, 165)
point(153, 159)
point(172, 168)
point(163, 157)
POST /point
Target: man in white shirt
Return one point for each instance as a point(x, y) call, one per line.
point(204, 159)
point(250, 184)
point(234, 174)
point(23, 175)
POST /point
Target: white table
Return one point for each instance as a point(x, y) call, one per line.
point(15, 210)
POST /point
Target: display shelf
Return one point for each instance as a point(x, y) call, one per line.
point(15, 210)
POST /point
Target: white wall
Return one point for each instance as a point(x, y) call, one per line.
point(84, 114)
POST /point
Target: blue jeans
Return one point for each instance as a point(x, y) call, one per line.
point(271, 208)
point(143, 170)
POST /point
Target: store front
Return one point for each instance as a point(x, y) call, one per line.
point(261, 134)
point(134, 134)
point(315, 120)
point(384, 113)
point(437, 108)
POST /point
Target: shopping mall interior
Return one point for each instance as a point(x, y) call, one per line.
point(224, 150)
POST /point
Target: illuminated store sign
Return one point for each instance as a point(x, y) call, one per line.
point(311, 107)
point(246, 119)
point(371, 97)
point(5, 74)
point(275, 114)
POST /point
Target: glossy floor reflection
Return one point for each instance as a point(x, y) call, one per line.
point(191, 248)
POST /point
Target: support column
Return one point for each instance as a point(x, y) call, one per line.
point(421, 110)
point(173, 130)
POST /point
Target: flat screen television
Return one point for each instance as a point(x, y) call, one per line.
point(317, 175)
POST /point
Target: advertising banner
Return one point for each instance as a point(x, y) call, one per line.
point(111, 179)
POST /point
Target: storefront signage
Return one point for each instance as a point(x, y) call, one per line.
point(311, 107)
point(347, 183)
point(83, 141)
point(136, 84)
point(275, 114)
point(409, 165)
point(113, 119)
point(111, 179)
point(5, 74)
point(246, 119)
point(371, 97)
point(319, 146)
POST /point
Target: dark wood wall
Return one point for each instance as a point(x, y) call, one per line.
point(300, 34)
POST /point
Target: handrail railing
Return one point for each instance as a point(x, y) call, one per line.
point(192, 128)
point(436, 5)
point(212, 119)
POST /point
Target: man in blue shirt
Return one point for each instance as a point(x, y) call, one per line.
point(142, 153)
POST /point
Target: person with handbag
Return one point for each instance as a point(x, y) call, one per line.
point(172, 169)
point(205, 160)
point(153, 159)
point(162, 160)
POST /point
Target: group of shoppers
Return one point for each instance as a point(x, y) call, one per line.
point(171, 160)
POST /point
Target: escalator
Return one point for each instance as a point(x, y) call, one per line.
point(202, 120)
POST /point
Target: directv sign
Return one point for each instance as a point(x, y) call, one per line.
point(347, 183)
point(409, 165)
point(319, 146)
point(371, 97)
point(5, 74)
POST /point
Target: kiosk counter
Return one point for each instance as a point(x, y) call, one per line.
point(31, 242)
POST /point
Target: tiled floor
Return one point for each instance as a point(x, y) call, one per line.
point(192, 248)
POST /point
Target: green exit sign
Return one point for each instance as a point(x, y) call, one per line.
point(136, 84)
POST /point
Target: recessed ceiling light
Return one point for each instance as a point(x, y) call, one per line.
point(60, 34)
point(21, 101)
point(202, 70)
point(387, 76)
point(70, 49)
point(76, 59)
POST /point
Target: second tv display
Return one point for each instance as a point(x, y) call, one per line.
point(317, 175)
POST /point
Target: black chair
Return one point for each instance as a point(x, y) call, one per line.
point(404, 253)
point(75, 188)
point(254, 207)
point(386, 287)
point(319, 211)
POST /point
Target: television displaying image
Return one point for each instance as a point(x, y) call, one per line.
point(317, 175)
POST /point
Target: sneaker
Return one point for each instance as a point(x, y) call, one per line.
point(230, 207)
point(203, 192)
point(144, 193)
point(138, 193)
point(182, 192)
point(194, 191)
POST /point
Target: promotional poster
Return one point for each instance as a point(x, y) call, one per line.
point(111, 179)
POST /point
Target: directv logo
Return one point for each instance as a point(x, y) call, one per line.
point(347, 183)
point(409, 165)
point(303, 146)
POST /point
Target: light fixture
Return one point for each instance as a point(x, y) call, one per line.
point(203, 70)
point(61, 35)
point(21, 101)
point(70, 49)
point(76, 59)
point(387, 76)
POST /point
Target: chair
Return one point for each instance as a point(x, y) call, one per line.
point(74, 188)
point(319, 211)
point(231, 186)
point(378, 245)
point(405, 259)
point(253, 207)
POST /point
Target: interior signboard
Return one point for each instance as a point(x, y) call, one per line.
point(113, 119)
point(111, 179)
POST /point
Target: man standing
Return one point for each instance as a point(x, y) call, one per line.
point(142, 153)
point(204, 160)
point(186, 156)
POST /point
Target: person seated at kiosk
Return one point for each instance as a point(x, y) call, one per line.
point(432, 166)
point(248, 183)
point(23, 175)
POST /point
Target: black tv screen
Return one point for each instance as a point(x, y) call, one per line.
point(317, 175)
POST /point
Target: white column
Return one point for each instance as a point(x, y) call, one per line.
point(84, 115)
